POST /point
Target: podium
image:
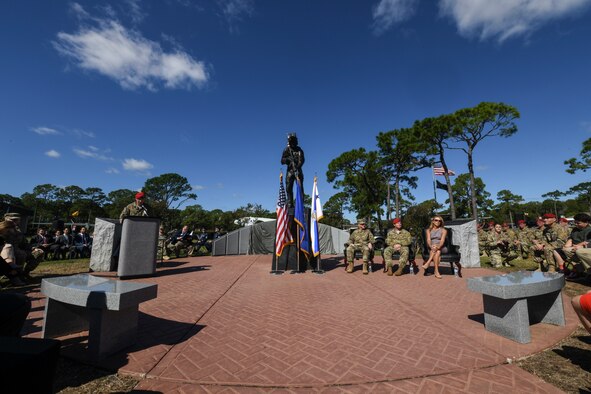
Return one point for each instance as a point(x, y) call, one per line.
point(139, 243)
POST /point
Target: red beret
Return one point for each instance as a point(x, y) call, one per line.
point(521, 221)
point(397, 220)
point(505, 224)
point(139, 195)
point(564, 220)
point(491, 223)
point(549, 216)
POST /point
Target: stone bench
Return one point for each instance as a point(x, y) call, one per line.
point(107, 308)
point(514, 301)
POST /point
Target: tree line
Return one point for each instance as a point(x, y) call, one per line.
point(165, 194)
point(369, 181)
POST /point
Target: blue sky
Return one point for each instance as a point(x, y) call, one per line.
point(109, 93)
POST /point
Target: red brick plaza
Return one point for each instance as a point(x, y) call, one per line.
point(224, 324)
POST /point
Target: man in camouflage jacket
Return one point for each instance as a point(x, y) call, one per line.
point(360, 239)
point(555, 237)
point(523, 241)
point(397, 241)
point(499, 246)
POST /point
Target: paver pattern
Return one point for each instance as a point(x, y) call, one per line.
point(224, 324)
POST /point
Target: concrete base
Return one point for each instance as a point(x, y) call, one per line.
point(511, 318)
point(108, 331)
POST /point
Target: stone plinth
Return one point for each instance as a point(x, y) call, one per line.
point(514, 301)
point(465, 236)
point(105, 245)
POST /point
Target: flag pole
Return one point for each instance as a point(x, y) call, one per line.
point(275, 271)
point(297, 268)
point(434, 188)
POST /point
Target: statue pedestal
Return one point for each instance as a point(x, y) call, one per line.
point(288, 261)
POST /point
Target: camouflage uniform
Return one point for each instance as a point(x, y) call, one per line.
point(536, 236)
point(482, 239)
point(397, 237)
point(25, 257)
point(555, 237)
point(524, 237)
point(500, 254)
point(133, 210)
point(359, 240)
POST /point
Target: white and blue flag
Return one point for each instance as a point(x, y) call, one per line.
point(315, 216)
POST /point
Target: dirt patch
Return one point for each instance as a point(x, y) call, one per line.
point(567, 365)
point(74, 377)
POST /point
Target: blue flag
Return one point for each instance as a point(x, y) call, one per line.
point(300, 220)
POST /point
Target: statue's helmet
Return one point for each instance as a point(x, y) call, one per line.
point(292, 137)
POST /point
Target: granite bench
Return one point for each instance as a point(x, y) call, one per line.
point(514, 301)
point(107, 308)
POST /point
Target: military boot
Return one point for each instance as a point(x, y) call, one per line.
point(350, 267)
point(365, 270)
point(399, 270)
point(389, 270)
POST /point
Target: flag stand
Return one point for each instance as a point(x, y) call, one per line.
point(297, 270)
point(318, 270)
point(275, 271)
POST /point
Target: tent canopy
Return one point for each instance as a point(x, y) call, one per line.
point(260, 239)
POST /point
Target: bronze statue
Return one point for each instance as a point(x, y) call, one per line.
point(293, 157)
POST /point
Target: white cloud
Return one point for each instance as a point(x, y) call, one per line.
point(93, 153)
point(235, 10)
point(53, 154)
point(83, 133)
point(135, 11)
point(389, 12)
point(42, 130)
point(503, 19)
point(136, 165)
point(129, 58)
point(198, 187)
point(112, 171)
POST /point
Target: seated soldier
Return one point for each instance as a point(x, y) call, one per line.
point(537, 242)
point(577, 240)
point(398, 241)
point(181, 239)
point(361, 239)
point(482, 237)
point(22, 255)
point(9, 267)
point(523, 241)
point(555, 237)
point(499, 246)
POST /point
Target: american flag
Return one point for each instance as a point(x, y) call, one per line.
point(282, 234)
point(441, 171)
